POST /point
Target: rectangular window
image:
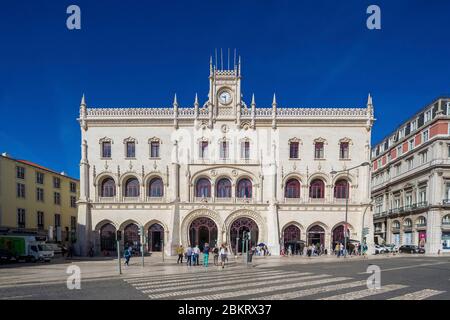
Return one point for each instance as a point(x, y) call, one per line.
point(21, 218)
point(73, 187)
point(398, 169)
point(154, 149)
point(423, 157)
point(224, 152)
point(396, 203)
point(40, 194)
point(73, 223)
point(73, 202)
point(56, 182)
point(20, 172)
point(203, 149)
point(428, 115)
point(423, 195)
point(106, 149)
point(411, 144)
point(57, 220)
point(245, 150)
point(408, 199)
point(20, 190)
point(413, 125)
point(399, 151)
point(40, 220)
point(318, 150)
point(425, 135)
point(293, 150)
point(343, 153)
point(39, 178)
point(57, 198)
point(447, 193)
point(131, 149)
point(410, 163)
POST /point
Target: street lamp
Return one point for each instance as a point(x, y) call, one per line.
point(347, 171)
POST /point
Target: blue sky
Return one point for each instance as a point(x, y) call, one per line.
point(139, 53)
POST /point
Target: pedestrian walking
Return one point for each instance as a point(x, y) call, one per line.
point(223, 254)
point(127, 256)
point(341, 249)
point(216, 256)
point(289, 250)
point(180, 252)
point(189, 256)
point(206, 255)
point(196, 255)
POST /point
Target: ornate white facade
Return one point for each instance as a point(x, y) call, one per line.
point(175, 153)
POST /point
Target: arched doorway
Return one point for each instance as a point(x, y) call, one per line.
point(338, 236)
point(291, 238)
point(108, 238)
point(155, 237)
point(203, 230)
point(131, 237)
point(237, 230)
point(316, 235)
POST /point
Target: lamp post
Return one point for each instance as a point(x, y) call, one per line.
point(347, 172)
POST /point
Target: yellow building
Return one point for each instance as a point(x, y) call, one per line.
point(37, 200)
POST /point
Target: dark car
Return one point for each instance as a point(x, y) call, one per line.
point(5, 255)
point(411, 249)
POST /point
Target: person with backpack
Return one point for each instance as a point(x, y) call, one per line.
point(206, 255)
point(127, 256)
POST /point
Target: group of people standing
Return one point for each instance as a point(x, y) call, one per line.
point(192, 255)
point(354, 250)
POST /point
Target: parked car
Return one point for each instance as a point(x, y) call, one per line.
point(380, 249)
point(5, 255)
point(391, 248)
point(58, 249)
point(411, 249)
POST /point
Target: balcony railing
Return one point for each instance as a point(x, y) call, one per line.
point(154, 199)
point(421, 225)
point(408, 208)
point(446, 202)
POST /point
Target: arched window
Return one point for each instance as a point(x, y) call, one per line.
point(396, 225)
point(341, 189)
point(223, 188)
point(421, 222)
point(446, 220)
point(108, 188)
point(132, 188)
point(244, 188)
point(317, 189)
point(203, 188)
point(407, 223)
point(155, 188)
point(292, 189)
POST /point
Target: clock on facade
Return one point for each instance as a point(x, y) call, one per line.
point(225, 97)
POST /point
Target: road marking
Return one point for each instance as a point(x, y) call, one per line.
point(218, 287)
point(186, 277)
point(228, 295)
point(365, 293)
point(202, 284)
point(407, 267)
point(16, 297)
point(309, 292)
point(182, 281)
point(190, 274)
point(418, 295)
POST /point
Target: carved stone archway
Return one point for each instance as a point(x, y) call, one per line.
point(200, 213)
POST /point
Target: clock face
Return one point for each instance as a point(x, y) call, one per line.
point(225, 97)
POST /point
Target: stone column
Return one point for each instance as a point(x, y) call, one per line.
point(84, 213)
point(434, 232)
point(175, 223)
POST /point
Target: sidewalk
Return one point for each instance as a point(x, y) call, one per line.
point(106, 268)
